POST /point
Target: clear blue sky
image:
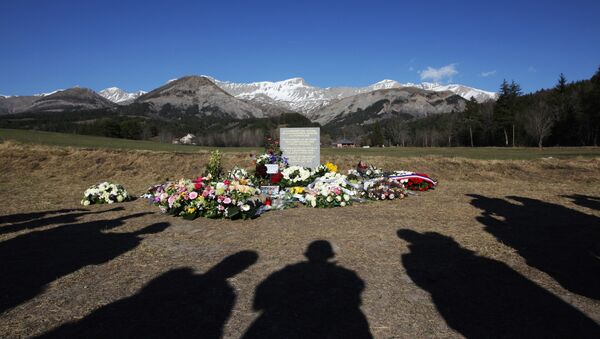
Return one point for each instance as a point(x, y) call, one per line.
point(139, 45)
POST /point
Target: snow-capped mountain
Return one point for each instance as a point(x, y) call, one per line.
point(293, 94)
point(119, 96)
point(297, 95)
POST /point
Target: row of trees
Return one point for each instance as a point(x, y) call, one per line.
point(566, 115)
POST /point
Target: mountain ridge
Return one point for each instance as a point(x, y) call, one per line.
point(296, 94)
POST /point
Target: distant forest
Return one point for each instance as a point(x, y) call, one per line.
point(566, 115)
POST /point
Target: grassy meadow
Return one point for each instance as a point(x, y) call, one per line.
point(483, 153)
point(505, 246)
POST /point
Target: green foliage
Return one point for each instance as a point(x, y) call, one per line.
point(214, 168)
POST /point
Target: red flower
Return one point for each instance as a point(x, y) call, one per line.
point(276, 178)
point(198, 182)
point(268, 202)
point(226, 182)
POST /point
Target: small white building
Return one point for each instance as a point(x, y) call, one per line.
point(188, 139)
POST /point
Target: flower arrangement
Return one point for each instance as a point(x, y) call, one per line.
point(321, 170)
point(365, 171)
point(200, 197)
point(105, 193)
point(269, 158)
point(295, 176)
point(244, 196)
point(330, 190)
point(414, 181)
point(238, 174)
point(384, 189)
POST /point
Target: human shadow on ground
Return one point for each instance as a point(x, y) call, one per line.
point(562, 242)
point(11, 218)
point(177, 304)
point(310, 299)
point(56, 219)
point(484, 298)
point(585, 201)
point(32, 260)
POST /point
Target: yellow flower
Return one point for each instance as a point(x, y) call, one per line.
point(331, 167)
point(191, 210)
point(297, 190)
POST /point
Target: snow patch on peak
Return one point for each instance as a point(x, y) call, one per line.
point(118, 95)
point(49, 93)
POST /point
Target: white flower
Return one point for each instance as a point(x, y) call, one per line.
point(338, 198)
point(120, 198)
point(313, 203)
point(343, 204)
point(245, 207)
point(392, 196)
point(86, 202)
point(329, 199)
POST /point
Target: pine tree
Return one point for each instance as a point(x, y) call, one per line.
point(472, 117)
point(506, 108)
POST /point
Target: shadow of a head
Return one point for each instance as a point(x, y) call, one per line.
point(319, 251)
point(233, 265)
point(431, 239)
point(154, 228)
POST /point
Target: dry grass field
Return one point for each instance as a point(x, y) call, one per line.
point(502, 248)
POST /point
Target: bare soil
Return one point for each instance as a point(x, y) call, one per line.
point(499, 249)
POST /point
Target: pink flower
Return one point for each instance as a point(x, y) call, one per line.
point(227, 201)
point(193, 195)
point(221, 208)
point(171, 200)
point(205, 193)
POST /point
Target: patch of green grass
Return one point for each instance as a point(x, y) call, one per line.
point(484, 153)
point(89, 141)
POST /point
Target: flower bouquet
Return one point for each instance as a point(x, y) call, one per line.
point(200, 197)
point(330, 190)
point(384, 189)
point(105, 193)
point(414, 181)
point(295, 176)
point(365, 171)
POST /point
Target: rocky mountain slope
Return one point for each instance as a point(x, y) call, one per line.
point(69, 99)
point(379, 104)
point(16, 104)
point(196, 92)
